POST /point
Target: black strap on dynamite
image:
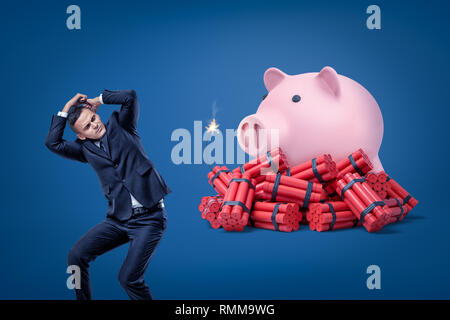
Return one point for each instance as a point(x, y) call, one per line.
point(333, 213)
point(270, 160)
point(316, 173)
point(369, 208)
point(288, 172)
point(275, 187)
point(250, 216)
point(217, 175)
point(407, 198)
point(308, 195)
point(401, 207)
point(236, 203)
point(355, 166)
point(274, 213)
point(243, 180)
point(349, 185)
point(241, 167)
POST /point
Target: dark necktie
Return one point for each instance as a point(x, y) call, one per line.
point(102, 146)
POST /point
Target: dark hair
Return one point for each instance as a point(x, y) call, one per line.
point(74, 114)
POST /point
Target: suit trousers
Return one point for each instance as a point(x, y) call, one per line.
point(144, 233)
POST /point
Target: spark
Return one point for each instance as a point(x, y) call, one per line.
point(213, 126)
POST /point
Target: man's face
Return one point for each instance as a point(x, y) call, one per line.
point(89, 125)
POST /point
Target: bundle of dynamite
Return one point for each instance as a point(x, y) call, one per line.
point(378, 182)
point(266, 193)
point(357, 162)
point(331, 215)
point(395, 190)
point(237, 202)
point(366, 205)
point(209, 207)
point(288, 189)
point(275, 216)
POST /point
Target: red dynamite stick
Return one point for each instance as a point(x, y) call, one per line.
point(297, 215)
point(265, 216)
point(221, 221)
point(309, 214)
point(270, 206)
point(377, 186)
point(340, 216)
point(382, 194)
point(215, 224)
point(210, 216)
point(295, 183)
point(213, 204)
point(337, 226)
point(324, 207)
point(201, 207)
point(372, 177)
point(312, 225)
point(248, 204)
point(270, 226)
point(382, 177)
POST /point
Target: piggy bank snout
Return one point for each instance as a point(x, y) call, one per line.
point(249, 135)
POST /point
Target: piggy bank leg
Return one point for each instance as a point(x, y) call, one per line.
point(377, 167)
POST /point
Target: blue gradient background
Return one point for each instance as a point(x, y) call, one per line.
point(181, 57)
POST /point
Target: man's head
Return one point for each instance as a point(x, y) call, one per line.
point(85, 123)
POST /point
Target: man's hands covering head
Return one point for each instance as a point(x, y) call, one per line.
point(80, 98)
point(93, 104)
point(77, 99)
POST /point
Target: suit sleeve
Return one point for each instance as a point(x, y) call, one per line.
point(129, 112)
point(55, 142)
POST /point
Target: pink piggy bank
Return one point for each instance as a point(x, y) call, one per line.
point(314, 113)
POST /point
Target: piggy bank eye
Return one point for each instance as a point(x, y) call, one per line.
point(296, 98)
point(264, 96)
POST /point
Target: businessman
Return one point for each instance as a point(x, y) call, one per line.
point(132, 185)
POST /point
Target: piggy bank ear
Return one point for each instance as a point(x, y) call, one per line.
point(273, 77)
point(330, 78)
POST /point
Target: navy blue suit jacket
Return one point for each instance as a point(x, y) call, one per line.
point(126, 168)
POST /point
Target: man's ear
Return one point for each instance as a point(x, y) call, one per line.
point(80, 136)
